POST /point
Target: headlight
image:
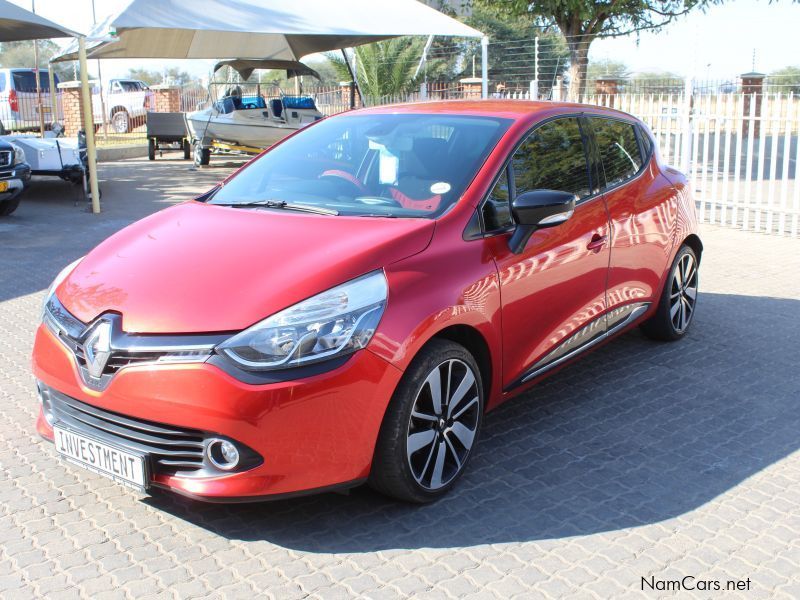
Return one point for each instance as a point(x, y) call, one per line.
point(331, 324)
point(19, 154)
point(63, 274)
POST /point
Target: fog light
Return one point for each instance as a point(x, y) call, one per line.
point(222, 454)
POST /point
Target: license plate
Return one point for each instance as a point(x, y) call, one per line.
point(120, 465)
point(3, 186)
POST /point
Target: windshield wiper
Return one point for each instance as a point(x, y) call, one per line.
point(319, 210)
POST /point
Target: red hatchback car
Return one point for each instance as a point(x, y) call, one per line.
point(348, 306)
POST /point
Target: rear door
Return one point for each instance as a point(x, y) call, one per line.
point(641, 207)
point(554, 289)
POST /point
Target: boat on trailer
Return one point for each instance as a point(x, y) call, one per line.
point(244, 117)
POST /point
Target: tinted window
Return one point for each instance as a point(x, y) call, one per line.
point(24, 81)
point(405, 165)
point(552, 157)
point(497, 208)
point(618, 148)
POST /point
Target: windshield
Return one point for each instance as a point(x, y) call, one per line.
point(396, 165)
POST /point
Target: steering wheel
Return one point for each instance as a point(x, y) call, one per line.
point(354, 182)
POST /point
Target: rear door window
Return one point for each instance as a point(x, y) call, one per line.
point(25, 81)
point(553, 157)
point(618, 148)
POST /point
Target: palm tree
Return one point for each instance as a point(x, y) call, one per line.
point(385, 68)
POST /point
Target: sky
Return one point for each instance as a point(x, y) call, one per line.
point(716, 44)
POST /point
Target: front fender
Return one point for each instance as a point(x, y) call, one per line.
point(463, 291)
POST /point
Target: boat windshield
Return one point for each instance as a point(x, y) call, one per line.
point(388, 165)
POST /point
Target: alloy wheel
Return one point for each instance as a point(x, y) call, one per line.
point(443, 424)
point(683, 293)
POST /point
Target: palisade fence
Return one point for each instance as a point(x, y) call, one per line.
point(740, 151)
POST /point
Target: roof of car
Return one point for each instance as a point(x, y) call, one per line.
point(519, 110)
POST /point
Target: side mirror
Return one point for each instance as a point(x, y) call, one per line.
point(537, 209)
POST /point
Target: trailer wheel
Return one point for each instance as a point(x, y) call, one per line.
point(202, 156)
point(187, 150)
point(151, 149)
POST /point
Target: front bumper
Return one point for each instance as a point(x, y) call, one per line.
point(17, 178)
point(310, 434)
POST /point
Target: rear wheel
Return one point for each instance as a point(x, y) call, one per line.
point(678, 301)
point(187, 150)
point(431, 426)
point(120, 121)
point(8, 207)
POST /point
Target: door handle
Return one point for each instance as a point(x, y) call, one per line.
point(597, 243)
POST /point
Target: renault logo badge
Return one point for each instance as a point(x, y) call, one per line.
point(97, 348)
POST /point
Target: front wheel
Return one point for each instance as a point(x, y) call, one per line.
point(678, 301)
point(8, 207)
point(431, 426)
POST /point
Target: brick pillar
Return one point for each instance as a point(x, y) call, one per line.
point(472, 87)
point(752, 83)
point(167, 98)
point(607, 86)
point(72, 107)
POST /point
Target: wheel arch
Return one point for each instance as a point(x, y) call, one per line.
point(118, 108)
point(693, 241)
point(474, 342)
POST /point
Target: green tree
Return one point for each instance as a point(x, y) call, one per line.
point(584, 21)
point(607, 68)
point(384, 68)
point(784, 80)
point(21, 54)
point(505, 32)
point(172, 74)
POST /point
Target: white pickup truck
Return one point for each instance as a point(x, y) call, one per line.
point(126, 104)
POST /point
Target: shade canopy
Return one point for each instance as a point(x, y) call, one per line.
point(261, 29)
point(17, 24)
point(246, 66)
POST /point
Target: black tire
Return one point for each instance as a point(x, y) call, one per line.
point(151, 149)
point(187, 150)
point(676, 307)
point(8, 207)
point(392, 472)
point(202, 156)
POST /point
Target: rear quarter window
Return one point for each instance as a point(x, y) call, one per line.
point(618, 147)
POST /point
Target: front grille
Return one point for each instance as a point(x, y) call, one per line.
point(117, 360)
point(172, 450)
point(6, 158)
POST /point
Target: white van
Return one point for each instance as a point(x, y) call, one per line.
point(19, 107)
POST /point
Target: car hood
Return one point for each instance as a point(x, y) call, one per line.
point(201, 268)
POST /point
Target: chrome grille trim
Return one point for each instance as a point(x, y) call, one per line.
point(171, 450)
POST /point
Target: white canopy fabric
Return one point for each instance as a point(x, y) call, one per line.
point(285, 30)
point(18, 24)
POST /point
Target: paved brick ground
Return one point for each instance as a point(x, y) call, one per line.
point(643, 460)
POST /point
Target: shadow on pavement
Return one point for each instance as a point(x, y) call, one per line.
point(635, 433)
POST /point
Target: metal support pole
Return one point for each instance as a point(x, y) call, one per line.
point(53, 96)
point(484, 67)
point(535, 82)
point(354, 88)
point(88, 125)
